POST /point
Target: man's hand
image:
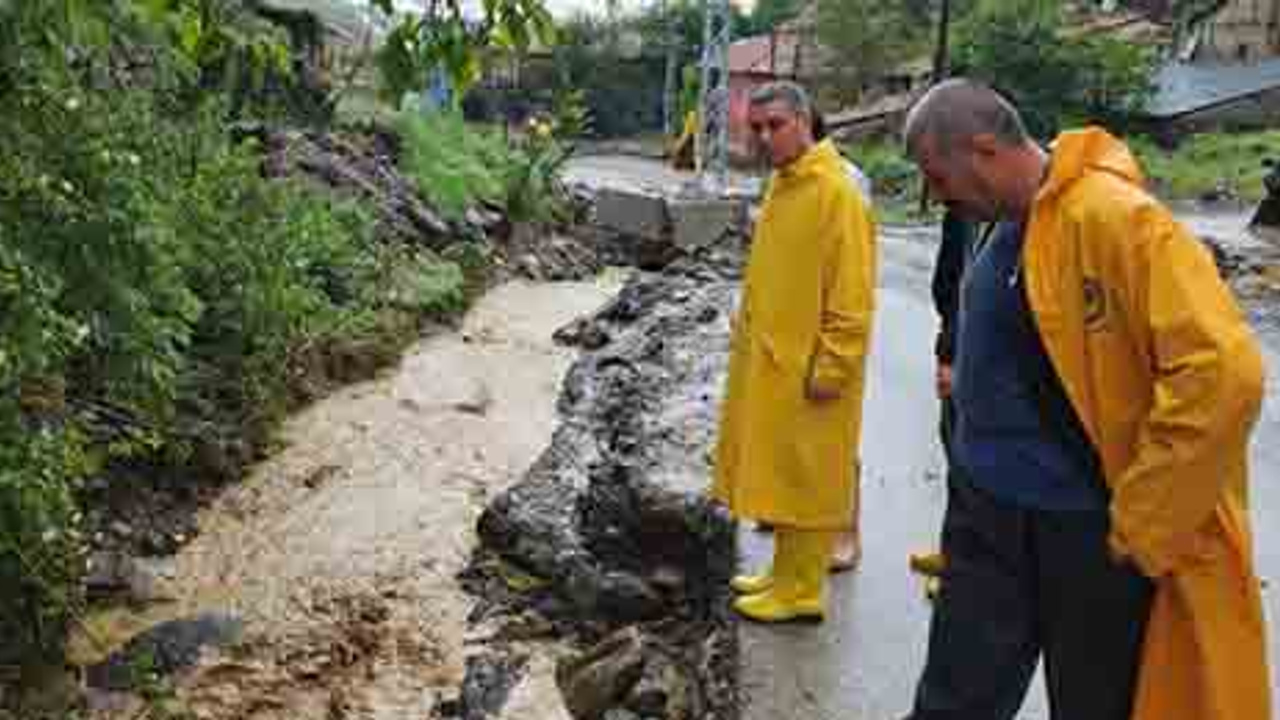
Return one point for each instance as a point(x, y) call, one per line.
point(942, 379)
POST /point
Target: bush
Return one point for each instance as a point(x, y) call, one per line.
point(452, 164)
point(459, 166)
point(1018, 46)
point(1209, 164)
point(156, 293)
point(893, 176)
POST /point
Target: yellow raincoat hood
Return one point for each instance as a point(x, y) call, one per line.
point(1166, 376)
point(1077, 153)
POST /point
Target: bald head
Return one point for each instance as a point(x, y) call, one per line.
point(954, 111)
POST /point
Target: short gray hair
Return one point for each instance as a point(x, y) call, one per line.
point(959, 109)
point(789, 93)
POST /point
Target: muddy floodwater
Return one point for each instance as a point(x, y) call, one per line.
point(340, 553)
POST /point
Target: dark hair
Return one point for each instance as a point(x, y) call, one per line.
point(819, 124)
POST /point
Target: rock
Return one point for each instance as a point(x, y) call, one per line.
point(583, 333)
point(601, 677)
point(488, 683)
point(621, 714)
point(633, 213)
point(105, 703)
point(664, 691)
point(121, 529)
point(668, 579)
point(164, 649)
point(624, 596)
point(613, 516)
point(543, 253)
point(641, 227)
point(137, 580)
point(105, 572)
point(699, 222)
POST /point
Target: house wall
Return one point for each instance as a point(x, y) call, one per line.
point(1245, 30)
point(740, 87)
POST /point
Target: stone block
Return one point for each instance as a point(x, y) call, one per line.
point(633, 213)
point(696, 223)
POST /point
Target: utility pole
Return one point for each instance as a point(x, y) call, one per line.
point(713, 127)
point(941, 69)
point(669, 89)
point(942, 51)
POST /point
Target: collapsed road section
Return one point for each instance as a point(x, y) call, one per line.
point(608, 545)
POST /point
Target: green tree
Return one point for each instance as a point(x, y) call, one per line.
point(865, 39)
point(769, 14)
point(1020, 47)
point(444, 38)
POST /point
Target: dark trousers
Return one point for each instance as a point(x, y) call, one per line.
point(1021, 584)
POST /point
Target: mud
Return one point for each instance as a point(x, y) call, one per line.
point(340, 554)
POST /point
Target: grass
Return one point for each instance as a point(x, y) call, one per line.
point(1207, 164)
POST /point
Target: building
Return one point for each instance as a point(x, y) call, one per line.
point(753, 62)
point(793, 52)
point(1224, 72)
point(1199, 97)
point(1240, 31)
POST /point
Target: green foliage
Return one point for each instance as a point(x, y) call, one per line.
point(156, 292)
point(533, 188)
point(1019, 47)
point(1227, 163)
point(867, 38)
point(769, 14)
point(453, 165)
point(891, 172)
point(444, 38)
point(624, 94)
point(40, 544)
point(570, 116)
point(459, 166)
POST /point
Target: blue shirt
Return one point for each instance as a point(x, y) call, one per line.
point(1017, 436)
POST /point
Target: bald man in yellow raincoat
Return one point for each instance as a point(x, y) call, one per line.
point(1164, 380)
point(792, 416)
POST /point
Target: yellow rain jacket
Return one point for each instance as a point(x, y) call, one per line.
point(1166, 375)
point(805, 316)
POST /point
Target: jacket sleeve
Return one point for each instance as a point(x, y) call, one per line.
point(848, 294)
point(1209, 379)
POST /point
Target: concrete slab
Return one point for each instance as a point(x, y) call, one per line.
point(699, 222)
point(633, 212)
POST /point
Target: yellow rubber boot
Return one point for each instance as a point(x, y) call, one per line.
point(799, 579)
point(752, 584)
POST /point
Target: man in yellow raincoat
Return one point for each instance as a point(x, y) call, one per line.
point(791, 418)
point(1106, 385)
